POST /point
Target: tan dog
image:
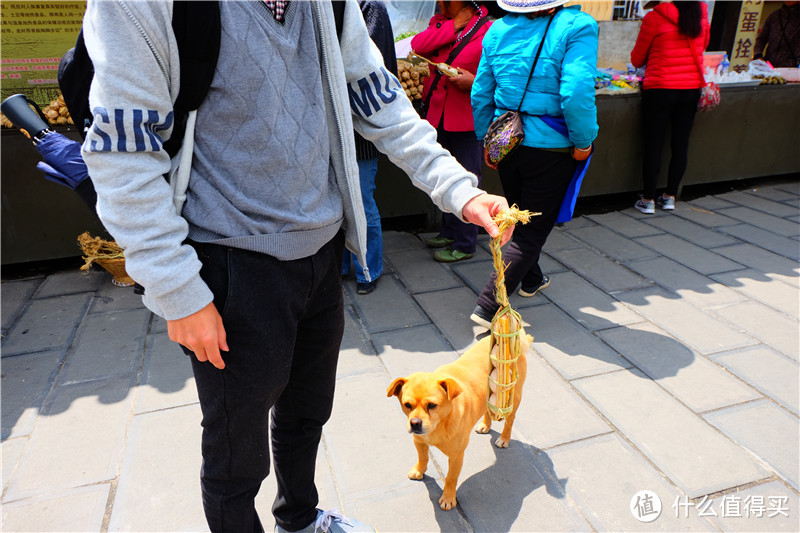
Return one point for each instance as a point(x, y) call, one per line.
point(444, 405)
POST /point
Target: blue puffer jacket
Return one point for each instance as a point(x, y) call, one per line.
point(562, 85)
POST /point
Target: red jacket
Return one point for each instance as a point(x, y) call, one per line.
point(436, 43)
point(671, 63)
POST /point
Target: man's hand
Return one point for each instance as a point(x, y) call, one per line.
point(463, 80)
point(480, 211)
point(202, 333)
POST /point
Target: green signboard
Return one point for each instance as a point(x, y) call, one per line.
point(33, 37)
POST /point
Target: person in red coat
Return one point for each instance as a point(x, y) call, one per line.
point(449, 109)
point(670, 43)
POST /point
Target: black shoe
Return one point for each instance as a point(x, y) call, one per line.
point(527, 292)
point(366, 288)
point(482, 317)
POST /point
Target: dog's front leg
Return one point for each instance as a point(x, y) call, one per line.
point(422, 461)
point(448, 499)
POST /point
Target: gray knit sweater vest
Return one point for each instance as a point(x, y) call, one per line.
point(261, 175)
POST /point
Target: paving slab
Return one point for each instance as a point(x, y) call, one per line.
point(450, 310)
point(512, 489)
point(166, 380)
point(690, 255)
point(108, 297)
point(15, 297)
point(688, 376)
point(767, 222)
point(81, 509)
point(604, 473)
point(587, 304)
point(96, 409)
point(572, 350)
point(708, 202)
point(356, 354)
point(765, 239)
point(701, 331)
point(160, 472)
point(792, 187)
point(702, 212)
point(26, 380)
point(551, 411)
point(11, 450)
point(409, 350)
point(774, 375)
point(692, 232)
point(771, 192)
point(695, 288)
point(400, 240)
point(769, 264)
point(106, 346)
point(767, 508)
point(70, 282)
point(765, 324)
point(692, 454)
point(612, 244)
point(757, 286)
point(46, 323)
point(414, 507)
point(388, 307)
point(600, 270)
point(360, 463)
point(413, 269)
point(769, 432)
point(623, 224)
point(762, 201)
point(560, 239)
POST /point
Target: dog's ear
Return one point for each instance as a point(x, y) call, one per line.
point(451, 388)
point(395, 388)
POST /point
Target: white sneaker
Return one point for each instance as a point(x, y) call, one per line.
point(667, 204)
point(646, 207)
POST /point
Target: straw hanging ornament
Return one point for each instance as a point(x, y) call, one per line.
point(506, 326)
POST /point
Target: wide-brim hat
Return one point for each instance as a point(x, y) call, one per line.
point(529, 6)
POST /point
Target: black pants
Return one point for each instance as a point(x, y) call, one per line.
point(662, 108)
point(536, 180)
point(284, 322)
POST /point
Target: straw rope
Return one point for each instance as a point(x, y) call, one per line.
point(506, 325)
point(107, 254)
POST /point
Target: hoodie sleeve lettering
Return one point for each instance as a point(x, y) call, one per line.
point(130, 131)
point(363, 92)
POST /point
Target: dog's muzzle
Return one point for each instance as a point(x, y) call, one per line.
point(415, 426)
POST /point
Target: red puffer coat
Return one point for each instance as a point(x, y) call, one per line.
point(671, 63)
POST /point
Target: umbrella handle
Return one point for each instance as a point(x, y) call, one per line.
point(18, 110)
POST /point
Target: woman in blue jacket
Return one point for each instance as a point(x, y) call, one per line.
point(559, 121)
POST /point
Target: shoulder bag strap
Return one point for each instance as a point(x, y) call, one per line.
point(467, 38)
point(535, 60)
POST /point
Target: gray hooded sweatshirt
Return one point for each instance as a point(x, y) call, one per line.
point(137, 76)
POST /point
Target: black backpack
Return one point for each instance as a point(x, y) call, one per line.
point(197, 29)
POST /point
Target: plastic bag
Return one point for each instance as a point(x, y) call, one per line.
point(407, 16)
point(760, 68)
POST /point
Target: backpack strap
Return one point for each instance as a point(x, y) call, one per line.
point(197, 30)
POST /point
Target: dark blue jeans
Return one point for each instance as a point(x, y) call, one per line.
point(468, 150)
point(284, 322)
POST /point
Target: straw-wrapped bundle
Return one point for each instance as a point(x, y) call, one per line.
point(506, 326)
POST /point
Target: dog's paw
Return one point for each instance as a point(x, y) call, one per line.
point(414, 473)
point(447, 502)
point(482, 428)
point(501, 442)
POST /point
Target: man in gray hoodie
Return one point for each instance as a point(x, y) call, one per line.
point(241, 251)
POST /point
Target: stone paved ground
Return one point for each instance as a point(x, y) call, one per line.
point(665, 359)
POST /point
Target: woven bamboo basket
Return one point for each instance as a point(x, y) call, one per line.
point(117, 269)
point(108, 255)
